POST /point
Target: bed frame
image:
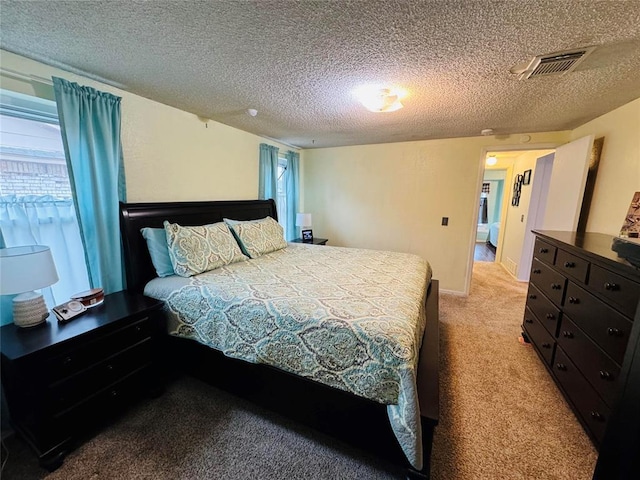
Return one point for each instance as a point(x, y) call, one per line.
point(342, 415)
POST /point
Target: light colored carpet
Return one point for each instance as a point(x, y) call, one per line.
point(501, 418)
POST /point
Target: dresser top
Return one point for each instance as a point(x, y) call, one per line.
point(595, 245)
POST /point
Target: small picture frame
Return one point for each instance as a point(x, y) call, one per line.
point(307, 235)
point(526, 178)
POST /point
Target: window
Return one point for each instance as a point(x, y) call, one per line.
point(281, 200)
point(36, 204)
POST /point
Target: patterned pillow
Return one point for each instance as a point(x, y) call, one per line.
point(260, 236)
point(195, 250)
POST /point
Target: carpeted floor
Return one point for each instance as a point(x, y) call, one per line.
point(501, 418)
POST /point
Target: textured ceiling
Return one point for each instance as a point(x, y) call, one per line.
point(297, 62)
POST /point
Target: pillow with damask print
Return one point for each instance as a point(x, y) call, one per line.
point(199, 249)
point(258, 237)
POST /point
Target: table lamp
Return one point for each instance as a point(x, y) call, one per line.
point(23, 270)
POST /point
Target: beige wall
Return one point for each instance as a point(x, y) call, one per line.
point(169, 154)
point(393, 196)
point(619, 170)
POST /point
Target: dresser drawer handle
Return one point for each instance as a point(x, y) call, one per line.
point(109, 368)
point(532, 297)
point(537, 271)
point(615, 332)
point(556, 286)
point(550, 316)
point(597, 416)
point(569, 265)
point(544, 250)
point(567, 334)
point(546, 345)
point(528, 320)
point(605, 375)
point(113, 393)
point(574, 300)
point(561, 366)
point(611, 286)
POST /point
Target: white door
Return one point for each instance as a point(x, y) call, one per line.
point(556, 196)
point(566, 185)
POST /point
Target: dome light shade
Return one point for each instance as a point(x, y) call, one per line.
point(377, 99)
point(491, 160)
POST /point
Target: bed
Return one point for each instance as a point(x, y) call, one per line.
point(303, 319)
point(494, 232)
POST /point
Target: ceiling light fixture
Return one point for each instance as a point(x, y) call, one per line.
point(377, 99)
point(491, 160)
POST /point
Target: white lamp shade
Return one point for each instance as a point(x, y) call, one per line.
point(303, 220)
point(27, 268)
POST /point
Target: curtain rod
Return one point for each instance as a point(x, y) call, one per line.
point(25, 77)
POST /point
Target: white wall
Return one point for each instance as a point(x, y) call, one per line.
point(169, 154)
point(393, 196)
point(619, 170)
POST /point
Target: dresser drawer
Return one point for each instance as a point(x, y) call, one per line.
point(544, 251)
point(595, 365)
point(544, 343)
point(550, 282)
point(74, 389)
point(573, 266)
point(591, 408)
point(608, 328)
point(623, 293)
point(546, 312)
point(74, 360)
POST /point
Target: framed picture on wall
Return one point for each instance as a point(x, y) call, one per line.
point(526, 178)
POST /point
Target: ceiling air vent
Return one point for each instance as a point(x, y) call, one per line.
point(557, 63)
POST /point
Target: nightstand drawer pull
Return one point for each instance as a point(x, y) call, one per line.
point(605, 375)
point(550, 316)
point(597, 416)
point(615, 332)
point(574, 300)
point(546, 345)
point(569, 265)
point(113, 393)
point(556, 286)
point(544, 250)
point(67, 361)
point(561, 366)
point(537, 271)
point(611, 286)
point(533, 297)
point(528, 320)
point(567, 334)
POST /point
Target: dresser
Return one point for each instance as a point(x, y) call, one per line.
point(579, 312)
point(62, 381)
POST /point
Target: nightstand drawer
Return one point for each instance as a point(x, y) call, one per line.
point(74, 389)
point(595, 365)
point(546, 312)
point(544, 343)
point(550, 282)
point(74, 360)
point(608, 328)
point(623, 293)
point(573, 266)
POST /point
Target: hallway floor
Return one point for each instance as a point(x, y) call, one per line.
point(483, 253)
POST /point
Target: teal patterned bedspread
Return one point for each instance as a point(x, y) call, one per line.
point(349, 318)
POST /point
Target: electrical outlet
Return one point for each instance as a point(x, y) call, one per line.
point(445, 221)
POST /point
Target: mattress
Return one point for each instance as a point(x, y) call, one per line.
point(352, 319)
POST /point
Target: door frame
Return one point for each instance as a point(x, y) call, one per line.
point(481, 167)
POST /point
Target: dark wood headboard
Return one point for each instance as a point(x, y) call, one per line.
point(134, 216)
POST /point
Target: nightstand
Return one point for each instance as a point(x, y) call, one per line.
point(315, 241)
point(62, 381)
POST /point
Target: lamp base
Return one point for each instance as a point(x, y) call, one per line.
point(29, 309)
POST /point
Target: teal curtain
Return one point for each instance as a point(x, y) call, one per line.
point(292, 188)
point(268, 175)
point(90, 127)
